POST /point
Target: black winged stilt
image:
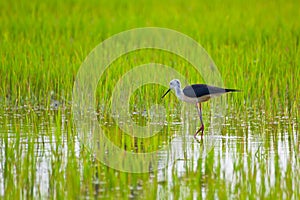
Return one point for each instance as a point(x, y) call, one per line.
point(197, 94)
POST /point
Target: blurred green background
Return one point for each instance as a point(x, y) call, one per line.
point(255, 45)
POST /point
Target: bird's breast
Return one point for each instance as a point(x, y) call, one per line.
point(195, 99)
point(189, 99)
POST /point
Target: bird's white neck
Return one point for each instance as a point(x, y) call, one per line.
point(179, 93)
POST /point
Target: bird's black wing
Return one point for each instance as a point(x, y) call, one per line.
point(199, 90)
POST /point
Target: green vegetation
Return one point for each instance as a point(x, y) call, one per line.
point(255, 46)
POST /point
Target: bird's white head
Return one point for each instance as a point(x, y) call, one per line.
point(175, 83)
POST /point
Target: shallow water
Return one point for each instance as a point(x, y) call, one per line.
point(261, 150)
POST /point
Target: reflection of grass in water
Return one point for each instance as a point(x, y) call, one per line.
point(255, 47)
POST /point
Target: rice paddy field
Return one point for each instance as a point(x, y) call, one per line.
point(255, 155)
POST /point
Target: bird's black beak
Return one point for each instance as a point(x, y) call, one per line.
point(166, 93)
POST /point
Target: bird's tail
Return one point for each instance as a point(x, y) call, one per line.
point(232, 90)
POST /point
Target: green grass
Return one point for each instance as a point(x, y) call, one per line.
point(255, 46)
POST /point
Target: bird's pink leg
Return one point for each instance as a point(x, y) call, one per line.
point(200, 116)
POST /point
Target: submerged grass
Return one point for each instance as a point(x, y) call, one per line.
point(255, 46)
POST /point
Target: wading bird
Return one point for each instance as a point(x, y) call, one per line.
point(197, 94)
